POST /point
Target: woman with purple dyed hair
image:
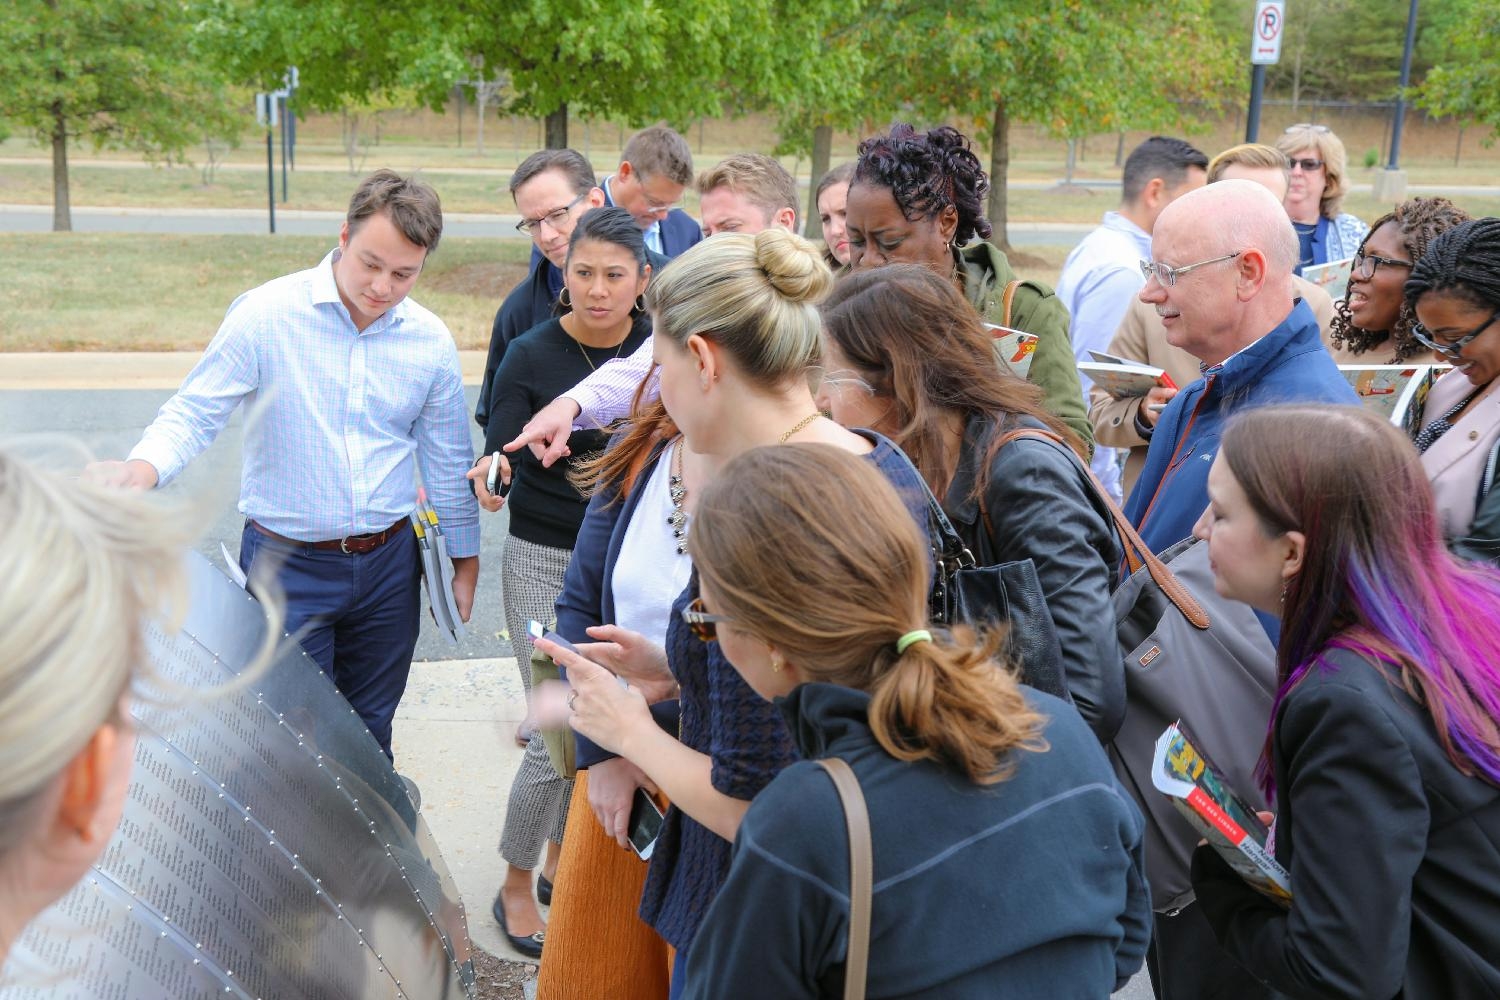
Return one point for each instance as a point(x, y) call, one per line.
point(1383, 751)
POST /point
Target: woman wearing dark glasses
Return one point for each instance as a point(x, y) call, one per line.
point(1315, 193)
point(1455, 291)
point(1372, 325)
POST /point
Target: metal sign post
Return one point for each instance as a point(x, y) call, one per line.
point(1265, 50)
point(266, 114)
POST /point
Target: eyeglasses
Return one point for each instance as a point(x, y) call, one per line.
point(1366, 264)
point(1167, 276)
point(1305, 127)
point(701, 622)
point(658, 207)
point(553, 218)
point(1308, 165)
point(1451, 348)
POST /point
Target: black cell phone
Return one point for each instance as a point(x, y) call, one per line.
point(645, 824)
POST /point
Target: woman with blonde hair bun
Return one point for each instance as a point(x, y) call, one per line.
point(1006, 859)
point(82, 567)
point(736, 332)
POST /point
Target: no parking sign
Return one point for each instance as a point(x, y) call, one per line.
point(1265, 38)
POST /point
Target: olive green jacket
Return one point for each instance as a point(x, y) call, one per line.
point(1035, 309)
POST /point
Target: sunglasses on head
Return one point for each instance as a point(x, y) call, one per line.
point(1305, 127)
point(701, 622)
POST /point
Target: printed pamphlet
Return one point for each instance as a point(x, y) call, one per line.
point(1396, 392)
point(1332, 277)
point(1014, 348)
point(1124, 379)
point(1181, 771)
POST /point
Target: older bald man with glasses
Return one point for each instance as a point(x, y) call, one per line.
point(1221, 282)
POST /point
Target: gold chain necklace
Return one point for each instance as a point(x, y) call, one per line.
point(799, 426)
point(592, 367)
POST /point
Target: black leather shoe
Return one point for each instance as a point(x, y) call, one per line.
point(529, 946)
point(544, 890)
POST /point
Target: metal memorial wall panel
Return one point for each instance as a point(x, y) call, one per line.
point(267, 848)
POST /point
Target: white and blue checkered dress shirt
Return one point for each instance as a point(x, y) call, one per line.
point(334, 416)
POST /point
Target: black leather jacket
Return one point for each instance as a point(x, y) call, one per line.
point(1044, 508)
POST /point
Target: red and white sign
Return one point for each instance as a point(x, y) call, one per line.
point(1265, 35)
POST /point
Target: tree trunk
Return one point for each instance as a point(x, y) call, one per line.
point(557, 128)
point(822, 152)
point(999, 170)
point(62, 208)
point(1070, 162)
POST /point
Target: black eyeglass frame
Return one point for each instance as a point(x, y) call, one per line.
point(1357, 267)
point(528, 226)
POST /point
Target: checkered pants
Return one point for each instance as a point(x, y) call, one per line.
point(531, 579)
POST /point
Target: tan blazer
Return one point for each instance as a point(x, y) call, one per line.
point(1455, 463)
point(1141, 337)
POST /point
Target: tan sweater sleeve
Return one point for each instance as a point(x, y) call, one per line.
point(1114, 419)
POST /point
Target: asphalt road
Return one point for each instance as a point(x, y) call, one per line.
point(38, 219)
point(109, 423)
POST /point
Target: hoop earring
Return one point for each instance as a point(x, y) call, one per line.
point(564, 300)
point(640, 303)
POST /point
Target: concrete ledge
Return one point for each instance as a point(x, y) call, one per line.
point(130, 369)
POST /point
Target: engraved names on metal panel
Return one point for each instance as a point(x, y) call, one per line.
point(267, 847)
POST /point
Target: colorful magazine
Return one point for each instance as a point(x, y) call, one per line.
point(1181, 771)
point(1014, 348)
point(1125, 379)
point(1332, 277)
point(1396, 392)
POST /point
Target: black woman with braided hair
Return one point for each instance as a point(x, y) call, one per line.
point(918, 198)
point(1372, 325)
point(1455, 292)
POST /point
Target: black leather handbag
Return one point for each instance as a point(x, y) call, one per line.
point(1008, 593)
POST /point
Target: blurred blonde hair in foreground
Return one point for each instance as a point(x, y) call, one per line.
point(83, 569)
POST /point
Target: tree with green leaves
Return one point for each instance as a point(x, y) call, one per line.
point(116, 73)
point(1074, 67)
point(1465, 80)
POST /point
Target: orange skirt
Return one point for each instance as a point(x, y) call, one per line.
point(597, 944)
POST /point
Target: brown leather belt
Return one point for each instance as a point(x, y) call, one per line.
point(353, 545)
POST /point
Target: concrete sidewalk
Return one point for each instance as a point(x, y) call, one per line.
point(454, 736)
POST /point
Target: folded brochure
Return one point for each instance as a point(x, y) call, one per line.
point(437, 571)
point(1396, 392)
point(1013, 348)
point(1184, 773)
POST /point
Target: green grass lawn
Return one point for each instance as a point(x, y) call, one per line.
point(128, 292)
point(118, 292)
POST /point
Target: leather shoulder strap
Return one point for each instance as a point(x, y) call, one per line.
point(1007, 298)
point(1137, 553)
point(861, 874)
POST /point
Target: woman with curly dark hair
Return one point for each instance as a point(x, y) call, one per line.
point(1374, 318)
point(918, 198)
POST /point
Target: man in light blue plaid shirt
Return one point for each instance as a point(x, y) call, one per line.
point(348, 382)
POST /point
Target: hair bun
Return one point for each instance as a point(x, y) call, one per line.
point(792, 265)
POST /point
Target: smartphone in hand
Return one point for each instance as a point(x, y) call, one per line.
point(645, 824)
point(536, 630)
